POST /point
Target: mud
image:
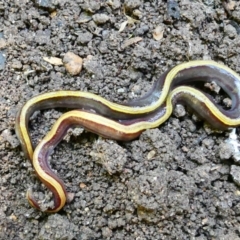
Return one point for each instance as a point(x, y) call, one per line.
point(178, 181)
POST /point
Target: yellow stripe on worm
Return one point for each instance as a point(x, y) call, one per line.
point(134, 117)
point(111, 129)
point(157, 95)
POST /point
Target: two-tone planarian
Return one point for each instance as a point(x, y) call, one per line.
point(125, 122)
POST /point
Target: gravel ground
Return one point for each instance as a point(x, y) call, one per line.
point(175, 182)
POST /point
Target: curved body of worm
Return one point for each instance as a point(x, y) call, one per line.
point(126, 122)
point(184, 73)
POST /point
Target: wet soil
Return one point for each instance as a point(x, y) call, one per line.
point(173, 182)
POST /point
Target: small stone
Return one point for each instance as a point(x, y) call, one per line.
point(110, 155)
point(226, 151)
point(151, 155)
point(100, 18)
point(236, 157)
point(236, 14)
point(106, 232)
point(84, 37)
point(235, 173)
point(212, 86)
point(179, 111)
point(53, 60)
point(141, 30)
point(227, 102)
point(130, 41)
point(73, 132)
point(230, 4)
point(11, 139)
point(121, 90)
point(84, 17)
point(136, 90)
point(230, 31)
point(73, 63)
point(115, 4)
point(47, 4)
point(77, 131)
point(3, 43)
point(92, 66)
point(103, 48)
point(158, 32)
point(91, 6)
point(208, 143)
point(191, 126)
point(137, 13)
point(197, 155)
point(43, 37)
point(82, 185)
point(185, 149)
point(173, 9)
point(70, 197)
point(17, 65)
point(131, 4)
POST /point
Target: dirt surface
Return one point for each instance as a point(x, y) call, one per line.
point(174, 182)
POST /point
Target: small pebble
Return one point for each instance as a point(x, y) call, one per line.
point(235, 173)
point(47, 4)
point(227, 102)
point(213, 86)
point(10, 138)
point(82, 185)
point(110, 155)
point(158, 32)
point(92, 66)
point(73, 63)
point(151, 155)
point(185, 149)
point(84, 17)
point(73, 132)
point(42, 37)
point(179, 111)
point(137, 13)
point(236, 157)
point(208, 2)
point(121, 90)
point(131, 4)
point(173, 9)
point(91, 6)
point(115, 4)
point(3, 43)
point(100, 18)
point(226, 151)
point(84, 37)
point(230, 31)
point(208, 143)
point(17, 65)
point(191, 126)
point(106, 232)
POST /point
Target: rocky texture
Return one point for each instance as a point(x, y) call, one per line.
point(172, 182)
